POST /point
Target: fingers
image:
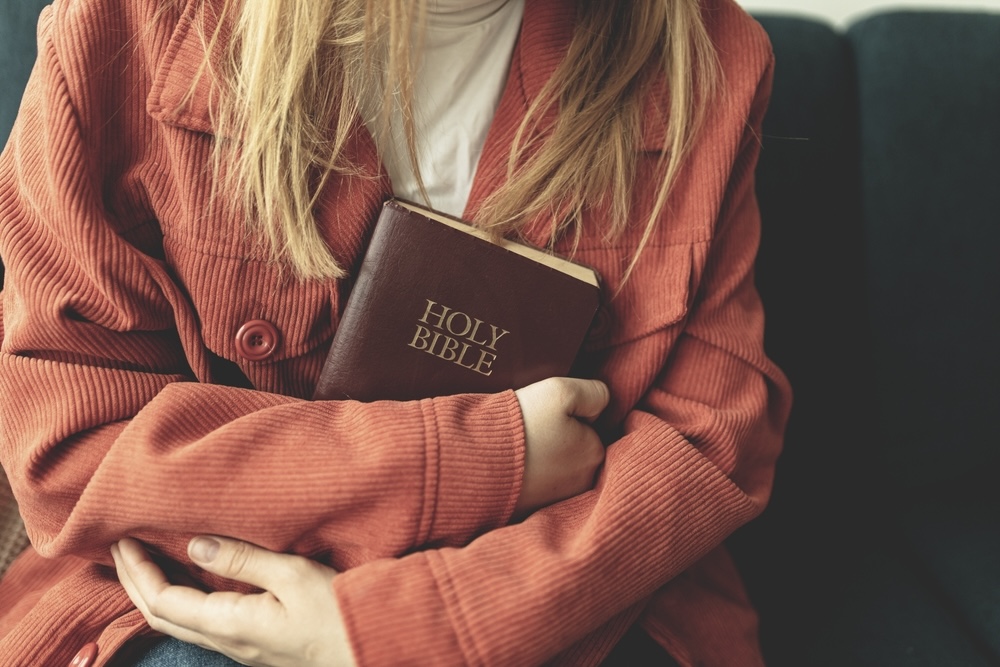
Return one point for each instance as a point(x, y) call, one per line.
point(142, 579)
point(574, 397)
point(240, 561)
point(258, 629)
point(562, 451)
point(161, 604)
point(589, 397)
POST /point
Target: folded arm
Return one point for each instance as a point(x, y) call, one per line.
point(110, 425)
point(695, 462)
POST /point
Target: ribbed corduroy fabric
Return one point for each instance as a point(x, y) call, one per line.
point(125, 289)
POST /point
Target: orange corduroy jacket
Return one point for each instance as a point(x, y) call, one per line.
point(130, 406)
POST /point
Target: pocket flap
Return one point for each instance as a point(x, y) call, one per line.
point(656, 295)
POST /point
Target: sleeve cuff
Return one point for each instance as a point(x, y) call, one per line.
point(475, 465)
point(394, 614)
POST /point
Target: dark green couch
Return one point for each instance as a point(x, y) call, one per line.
point(17, 54)
point(879, 184)
point(880, 188)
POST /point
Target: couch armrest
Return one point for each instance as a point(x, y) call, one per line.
point(13, 539)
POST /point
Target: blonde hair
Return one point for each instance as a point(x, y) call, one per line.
point(296, 70)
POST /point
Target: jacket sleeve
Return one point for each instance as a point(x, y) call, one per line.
point(106, 429)
point(695, 462)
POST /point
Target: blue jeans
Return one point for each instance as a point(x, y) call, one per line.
point(175, 653)
point(635, 650)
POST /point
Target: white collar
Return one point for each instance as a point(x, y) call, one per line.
point(461, 13)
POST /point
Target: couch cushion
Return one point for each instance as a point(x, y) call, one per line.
point(835, 583)
point(930, 128)
point(954, 537)
point(809, 275)
point(18, 19)
point(887, 617)
point(13, 539)
point(17, 35)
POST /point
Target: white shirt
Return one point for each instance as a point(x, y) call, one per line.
point(461, 73)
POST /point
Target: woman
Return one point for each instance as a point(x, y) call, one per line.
point(180, 169)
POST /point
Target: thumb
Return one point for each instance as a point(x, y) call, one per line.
point(591, 397)
point(238, 560)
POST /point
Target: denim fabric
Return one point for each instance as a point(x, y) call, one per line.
point(175, 653)
point(635, 650)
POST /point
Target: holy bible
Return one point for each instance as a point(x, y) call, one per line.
point(438, 308)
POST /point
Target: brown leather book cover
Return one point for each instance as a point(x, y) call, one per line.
point(439, 309)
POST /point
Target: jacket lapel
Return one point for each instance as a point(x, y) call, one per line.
point(546, 32)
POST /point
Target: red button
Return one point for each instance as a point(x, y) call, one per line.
point(86, 656)
point(257, 340)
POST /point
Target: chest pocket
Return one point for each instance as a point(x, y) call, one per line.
point(252, 312)
point(656, 296)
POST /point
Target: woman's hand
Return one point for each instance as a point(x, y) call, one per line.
point(295, 621)
point(562, 453)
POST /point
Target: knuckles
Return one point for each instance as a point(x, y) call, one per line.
point(294, 570)
point(564, 394)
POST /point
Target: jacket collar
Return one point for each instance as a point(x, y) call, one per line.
point(173, 99)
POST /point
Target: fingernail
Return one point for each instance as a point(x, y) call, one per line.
point(204, 549)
